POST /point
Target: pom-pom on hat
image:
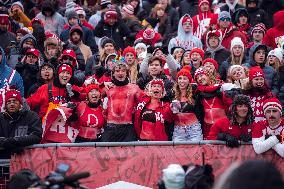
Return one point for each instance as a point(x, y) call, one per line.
point(185, 71)
point(272, 103)
point(255, 71)
point(12, 93)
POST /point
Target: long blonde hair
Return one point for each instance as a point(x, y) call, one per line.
point(133, 72)
point(189, 95)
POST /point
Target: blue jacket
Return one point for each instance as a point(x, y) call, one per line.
point(5, 73)
point(269, 72)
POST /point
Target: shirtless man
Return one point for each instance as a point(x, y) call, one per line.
point(122, 99)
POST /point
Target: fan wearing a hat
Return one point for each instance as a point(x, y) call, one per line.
point(257, 33)
point(90, 115)
point(19, 127)
point(122, 99)
point(51, 95)
point(5, 35)
point(28, 68)
point(269, 133)
point(18, 14)
point(112, 26)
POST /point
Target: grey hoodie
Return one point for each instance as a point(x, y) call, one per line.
point(183, 39)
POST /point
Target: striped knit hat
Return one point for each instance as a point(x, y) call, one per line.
point(128, 9)
point(272, 103)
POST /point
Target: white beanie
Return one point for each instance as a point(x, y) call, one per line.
point(237, 41)
point(231, 68)
point(19, 4)
point(142, 45)
point(278, 53)
point(173, 176)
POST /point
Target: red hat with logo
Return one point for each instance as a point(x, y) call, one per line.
point(65, 67)
point(12, 93)
point(34, 52)
point(110, 14)
point(159, 82)
point(129, 50)
point(212, 61)
point(186, 18)
point(255, 71)
point(197, 50)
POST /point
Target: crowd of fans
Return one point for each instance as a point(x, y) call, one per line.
point(190, 70)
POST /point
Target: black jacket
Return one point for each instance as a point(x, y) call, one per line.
point(117, 32)
point(257, 16)
point(29, 74)
point(188, 7)
point(134, 26)
point(220, 56)
point(19, 130)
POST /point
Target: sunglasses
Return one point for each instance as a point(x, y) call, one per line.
point(225, 19)
point(67, 58)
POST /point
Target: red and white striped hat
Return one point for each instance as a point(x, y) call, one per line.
point(79, 10)
point(128, 9)
point(272, 103)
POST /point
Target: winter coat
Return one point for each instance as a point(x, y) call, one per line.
point(226, 8)
point(163, 116)
point(13, 77)
point(269, 73)
point(257, 16)
point(231, 33)
point(20, 130)
point(220, 56)
point(281, 85)
point(29, 74)
point(271, 37)
point(86, 51)
point(173, 18)
point(117, 32)
point(224, 125)
point(91, 65)
point(184, 40)
point(134, 25)
point(88, 37)
point(6, 38)
point(188, 7)
point(270, 7)
point(55, 22)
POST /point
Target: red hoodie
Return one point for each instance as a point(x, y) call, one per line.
point(201, 21)
point(273, 34)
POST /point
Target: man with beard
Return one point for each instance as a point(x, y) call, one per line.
point(237, 126)
point(19, 127)
point(269, 134)
point(5, 35)
point(122, 99)
point(75, 37)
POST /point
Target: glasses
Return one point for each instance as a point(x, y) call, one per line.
point(224, 19)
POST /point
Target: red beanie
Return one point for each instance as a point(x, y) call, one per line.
point(91, 87)
point(212, 61)
point(12, 93)
point(34, 52)
point(197, 50)
point(214, 19)
point(254, 72)
point(186, 18)
point(185, 71)
point(203, 1)
point(272, 103)
point(158, 81)
point(65, 67)
point(129, 50)
point(4, 19)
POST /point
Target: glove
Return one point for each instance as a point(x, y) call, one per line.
point(71, 105)
point(221, 136)
point(245, 137)
point(231, 141)
point(280, 138)
point(8, 143)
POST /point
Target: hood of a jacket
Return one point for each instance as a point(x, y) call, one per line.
point(252, 51)
point(231, 5)
point(238, 13)
point(205, 13)
point(181, 33)
point(3, 61)
point(47, 6)
point(28, 36)
point(278, 19)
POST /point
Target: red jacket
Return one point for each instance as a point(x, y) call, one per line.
point(223, 125)
point(273, 34)
point(163, 113)
point(229, 34)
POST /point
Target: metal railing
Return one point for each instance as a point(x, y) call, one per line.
point(4, 173)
